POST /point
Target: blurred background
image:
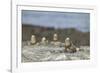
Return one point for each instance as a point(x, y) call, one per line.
point(66, 24)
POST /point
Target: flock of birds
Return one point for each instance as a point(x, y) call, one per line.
point(68, 45)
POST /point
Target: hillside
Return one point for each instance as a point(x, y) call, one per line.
point(77, 37)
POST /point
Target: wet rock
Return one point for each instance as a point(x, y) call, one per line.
point(61, 56)
point(40, 53)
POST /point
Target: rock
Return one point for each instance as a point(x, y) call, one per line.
point(57, 43)
point(74, 58)
point(47, 53)
point(60, 57)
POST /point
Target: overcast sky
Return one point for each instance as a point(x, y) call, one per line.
point(80, 21)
